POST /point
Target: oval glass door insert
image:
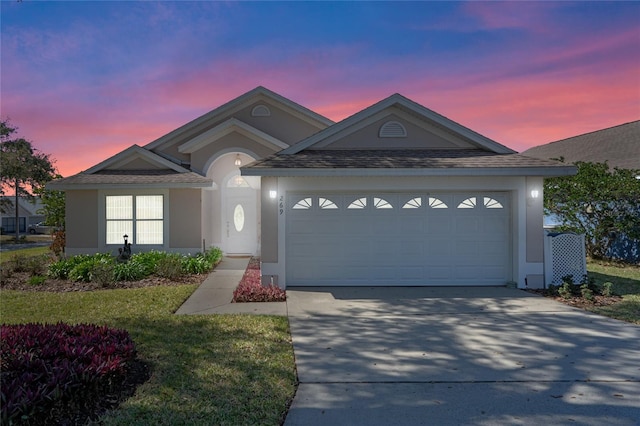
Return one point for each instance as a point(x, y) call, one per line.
point(238, 217)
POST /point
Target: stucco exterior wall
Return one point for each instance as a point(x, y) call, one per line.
point(200, 159)
point(270, 208)
point(135, 164)
point(417, 137)
point(185, 206)
point(517, 186)
point(280, 124)
point(81, 224)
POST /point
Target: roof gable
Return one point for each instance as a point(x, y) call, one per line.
point(246, 102)
point(440, 132)
point(136, 158)
point(227, 127)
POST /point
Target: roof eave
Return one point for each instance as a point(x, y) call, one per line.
point(459, 171)
point(93, 186)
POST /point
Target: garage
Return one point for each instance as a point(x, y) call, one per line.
point(399, 195)
point(398, 239)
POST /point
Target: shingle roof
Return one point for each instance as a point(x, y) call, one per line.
point(419, 162)
point(619, 146)
point(145, 178)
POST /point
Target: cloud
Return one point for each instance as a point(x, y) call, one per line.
point(130, 72)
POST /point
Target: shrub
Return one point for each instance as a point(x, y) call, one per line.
point(587, 293)
point(197, 264)
point(5, 273)
point(103, 272)
point(169, 266)
point(213, 256)
point(59, 243)
point(565, 290)
point(590, 283)
point(37, 280)
point(62, 268)
point(607, 289)
point(83, 271)
point(103, 269)
point(552, 290)
point(19, 263)
point(147, 262)
point(54, 368)
point(130, 271)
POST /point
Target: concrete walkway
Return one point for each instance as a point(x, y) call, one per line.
point(458, 356)
point(214, 295)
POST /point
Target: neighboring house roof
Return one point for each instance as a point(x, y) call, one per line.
point(26, 206)
point(619, 146)
point(403, 162)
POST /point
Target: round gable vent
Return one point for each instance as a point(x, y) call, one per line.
point(260, 111)
point(392, 129)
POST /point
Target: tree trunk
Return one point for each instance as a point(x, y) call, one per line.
point(17, 214)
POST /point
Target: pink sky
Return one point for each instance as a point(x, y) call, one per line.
point(84, 80)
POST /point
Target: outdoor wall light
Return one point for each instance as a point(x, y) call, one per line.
point(273, 194)
point(535, 193)
point(238, 161)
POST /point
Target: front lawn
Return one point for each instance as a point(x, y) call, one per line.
point(205, 370)
point(626, 283)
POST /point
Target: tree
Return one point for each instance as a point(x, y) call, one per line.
point(53, 206)
point(598, 202)
point(23, 168)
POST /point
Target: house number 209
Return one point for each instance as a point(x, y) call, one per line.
point(281, 204)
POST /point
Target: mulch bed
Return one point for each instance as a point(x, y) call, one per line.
point(20, 281)
point(580, 302)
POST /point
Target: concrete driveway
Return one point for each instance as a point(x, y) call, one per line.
point(459, 356)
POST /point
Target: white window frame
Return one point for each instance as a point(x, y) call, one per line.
point(102, 209)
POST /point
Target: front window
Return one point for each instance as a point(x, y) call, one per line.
point(140, 217)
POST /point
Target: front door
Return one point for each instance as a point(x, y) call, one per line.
point(240, 225)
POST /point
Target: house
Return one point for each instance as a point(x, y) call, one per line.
point(27, 213)
point(618, 146)
point(393, 195)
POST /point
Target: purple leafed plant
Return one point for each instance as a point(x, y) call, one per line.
point(250, 288)
point(52, 368)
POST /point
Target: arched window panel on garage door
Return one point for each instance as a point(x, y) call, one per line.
point(303, 204)
point(436, 203)
point(414, 203)
point(325, 203)
point(469, 203)
point(491, 203)
point(381, 203)
point(359, 203)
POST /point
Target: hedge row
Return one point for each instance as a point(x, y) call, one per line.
point(104, 268)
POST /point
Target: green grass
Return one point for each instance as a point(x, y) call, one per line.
point(33, 251)
point(626, 283)
point(213, 369)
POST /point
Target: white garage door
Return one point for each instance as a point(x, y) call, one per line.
point(406, 239)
